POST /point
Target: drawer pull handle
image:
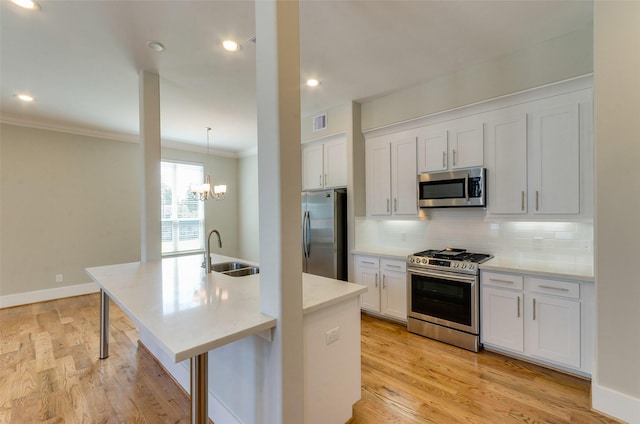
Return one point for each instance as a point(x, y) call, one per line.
point(534, 308)
point(554, 288)
point(384, 282)
point(394, 266)
point(522, 201)
point(501, 281)
point(376, 280)
point(518, 306)
point(368, 262)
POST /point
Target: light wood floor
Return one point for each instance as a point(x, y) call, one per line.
point(49, 373)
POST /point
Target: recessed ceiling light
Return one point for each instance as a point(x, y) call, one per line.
point(27, 4)
point(154, 45)
point(25, 97)
point(313, 82)
point(230, 45)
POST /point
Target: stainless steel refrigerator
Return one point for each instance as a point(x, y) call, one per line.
point(324, 233)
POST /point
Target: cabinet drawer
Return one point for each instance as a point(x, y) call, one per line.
point(501, 280)
point(368, 261)
point(393, 265)
point(553, 287)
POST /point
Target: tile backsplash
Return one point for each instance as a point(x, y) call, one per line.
point(470, 229)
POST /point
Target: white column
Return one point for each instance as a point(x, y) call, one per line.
point(150, 224)
point(279, 170)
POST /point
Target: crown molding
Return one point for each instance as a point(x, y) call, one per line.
point(40, 124)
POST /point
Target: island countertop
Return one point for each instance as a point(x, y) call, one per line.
point(191, 312)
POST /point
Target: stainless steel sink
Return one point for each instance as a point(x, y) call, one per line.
point(228, 266)
point(243, 272)
point(235, 269)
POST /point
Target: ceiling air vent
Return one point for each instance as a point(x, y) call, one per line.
point(320, 122)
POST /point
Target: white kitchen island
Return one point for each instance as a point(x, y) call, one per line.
point(215, 319)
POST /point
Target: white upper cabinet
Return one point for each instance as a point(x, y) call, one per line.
point(432, 149)
point(507, 165)
point(391, 175)
point(335, 163)
point(555, 160)
point(312, 166)
point(450, 145)
point(466, 146)
point(324, 163)
point(539, 160)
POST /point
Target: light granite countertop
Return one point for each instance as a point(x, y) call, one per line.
point(191, 312)
point(393, 253)
point(542, 268)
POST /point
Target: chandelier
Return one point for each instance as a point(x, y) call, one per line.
point(204, 191)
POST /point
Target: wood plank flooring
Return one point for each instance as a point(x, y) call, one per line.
point(50, 373)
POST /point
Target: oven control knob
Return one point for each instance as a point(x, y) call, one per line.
point(471, 267)
point(464, 266)
point(424, 260)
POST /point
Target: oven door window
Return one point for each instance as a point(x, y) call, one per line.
point(440, 298)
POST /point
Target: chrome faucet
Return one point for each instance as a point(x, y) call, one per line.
point(207, 253)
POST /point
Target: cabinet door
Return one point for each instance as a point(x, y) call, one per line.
point(507, 160)
point(369, 277)
point(556, 160)
point(335, 163)
point(466, 146)
point(553, 329)
point(394, 295)
point(502, 318)
point(404, 177)
point(432, 150)
point(312, 168)
point(378, 169)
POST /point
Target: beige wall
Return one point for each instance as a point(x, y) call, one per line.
point(248, 234)
point(617, 232)
point(554, 60)
point(69, 202)
point(219, 214)
point(337, 122)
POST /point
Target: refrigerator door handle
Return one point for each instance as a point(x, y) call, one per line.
point(304, 234)
point(308, 234)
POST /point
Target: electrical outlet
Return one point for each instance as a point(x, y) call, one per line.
point(333, 335)
point(59, 278)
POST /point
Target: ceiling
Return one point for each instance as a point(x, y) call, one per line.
point(81, 59)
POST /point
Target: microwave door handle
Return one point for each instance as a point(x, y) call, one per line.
point(466, 187)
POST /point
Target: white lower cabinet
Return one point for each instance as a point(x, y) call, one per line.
point(386, 280)
point(545, 320)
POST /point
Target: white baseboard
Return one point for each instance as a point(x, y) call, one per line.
point(49, 294)
point(615, 404)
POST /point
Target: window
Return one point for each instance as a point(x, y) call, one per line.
point(182, 213)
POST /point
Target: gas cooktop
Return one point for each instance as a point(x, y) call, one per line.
point(458, 260)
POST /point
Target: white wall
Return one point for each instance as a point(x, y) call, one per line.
point(616, 389)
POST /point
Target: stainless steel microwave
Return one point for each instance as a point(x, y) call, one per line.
point(455, 189)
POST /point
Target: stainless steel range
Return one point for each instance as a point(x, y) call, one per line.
point(443, 296)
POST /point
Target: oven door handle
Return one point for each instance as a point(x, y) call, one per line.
point(444, 276)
